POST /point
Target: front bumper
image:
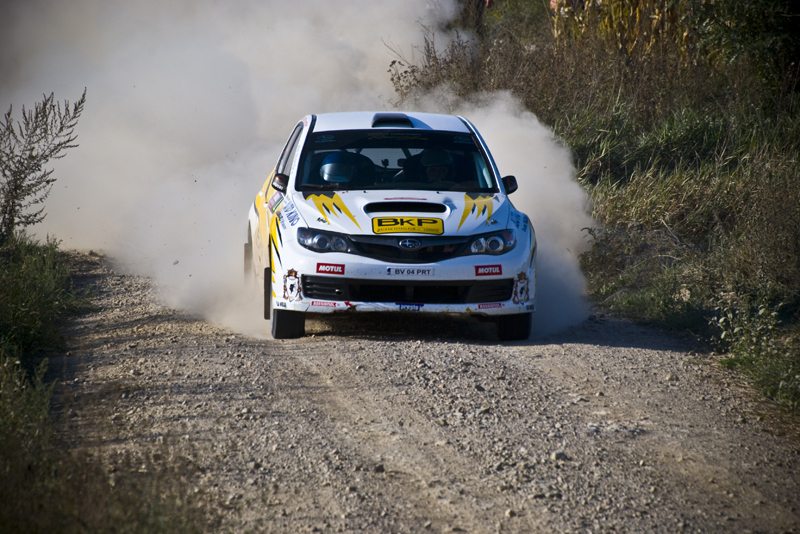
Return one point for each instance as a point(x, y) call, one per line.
point(337, 282)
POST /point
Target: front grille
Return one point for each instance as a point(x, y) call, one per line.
point(421, 292)
point(432, 249)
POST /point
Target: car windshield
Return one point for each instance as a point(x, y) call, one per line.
point(393, 159)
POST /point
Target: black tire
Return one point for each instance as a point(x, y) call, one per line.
point(515, 327)
point(288, 324)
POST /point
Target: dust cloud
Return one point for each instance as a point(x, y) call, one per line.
point(189, 104)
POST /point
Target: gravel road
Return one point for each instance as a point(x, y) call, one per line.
point(412, 423)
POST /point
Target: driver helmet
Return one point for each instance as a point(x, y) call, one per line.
point(438, 164)
point(337, 167)
point(436, 157)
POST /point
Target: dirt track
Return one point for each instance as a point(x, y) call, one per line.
point(426, 424)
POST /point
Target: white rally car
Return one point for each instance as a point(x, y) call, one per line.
point(390, 212)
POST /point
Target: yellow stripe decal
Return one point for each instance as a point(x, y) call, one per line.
point(480, 205)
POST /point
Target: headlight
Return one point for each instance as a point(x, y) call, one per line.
point(496, 243)
point(321, 241)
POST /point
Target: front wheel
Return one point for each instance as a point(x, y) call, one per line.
point(515, 327)
point(288, 324)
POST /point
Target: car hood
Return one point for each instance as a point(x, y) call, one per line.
point(403, 212)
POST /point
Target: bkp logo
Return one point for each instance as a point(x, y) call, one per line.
point(407, 225)
point(330, 268)
point(488, 270)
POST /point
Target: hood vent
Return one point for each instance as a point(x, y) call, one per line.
point(412, 207)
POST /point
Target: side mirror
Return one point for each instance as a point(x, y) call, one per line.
point(280, 182)
point(510, 183)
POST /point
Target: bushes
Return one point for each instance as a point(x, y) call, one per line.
point(35, 296)
point(749, 333)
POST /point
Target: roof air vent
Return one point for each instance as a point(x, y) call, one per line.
point(391, 119)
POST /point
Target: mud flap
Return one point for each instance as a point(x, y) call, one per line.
point(267, 292)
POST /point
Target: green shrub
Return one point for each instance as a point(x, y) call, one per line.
point(750, 335)
point(35, 295)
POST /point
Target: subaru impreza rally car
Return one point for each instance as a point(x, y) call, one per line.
point(400, 212)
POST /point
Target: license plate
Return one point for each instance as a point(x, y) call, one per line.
point(408, 272)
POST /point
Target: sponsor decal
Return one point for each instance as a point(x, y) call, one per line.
point(275, 201)
point(478, 204)
point(530, 307)
point(330, 268)
point(324, 304)
point(405, 198)
point(405, 306)
point(291, 285)
point(490, 306)
point(275, 242)
point(408, 271)
point(407, 225)
point(280, 304)
point(330, 204)
point(521, 292)
point(520, 220)
point(488, 270)
point(290, 212)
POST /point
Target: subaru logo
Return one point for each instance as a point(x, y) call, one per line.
point(409, 244)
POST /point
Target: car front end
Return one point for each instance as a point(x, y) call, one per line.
point(403, 216)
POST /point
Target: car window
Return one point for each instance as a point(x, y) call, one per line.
point(287, 157)
point(387, 159)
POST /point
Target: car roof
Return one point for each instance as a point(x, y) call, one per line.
point(367, 120)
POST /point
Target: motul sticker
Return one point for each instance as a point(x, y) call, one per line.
point(488, 270)
point(330, 268)
point(323, 304)
point(490, 306)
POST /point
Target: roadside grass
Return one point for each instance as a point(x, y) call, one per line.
point(692, 162)
point(45, 486)
point(35, 296)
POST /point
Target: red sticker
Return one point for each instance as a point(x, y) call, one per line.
point(323, 303)
point(330, 268)
point(488, 270)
